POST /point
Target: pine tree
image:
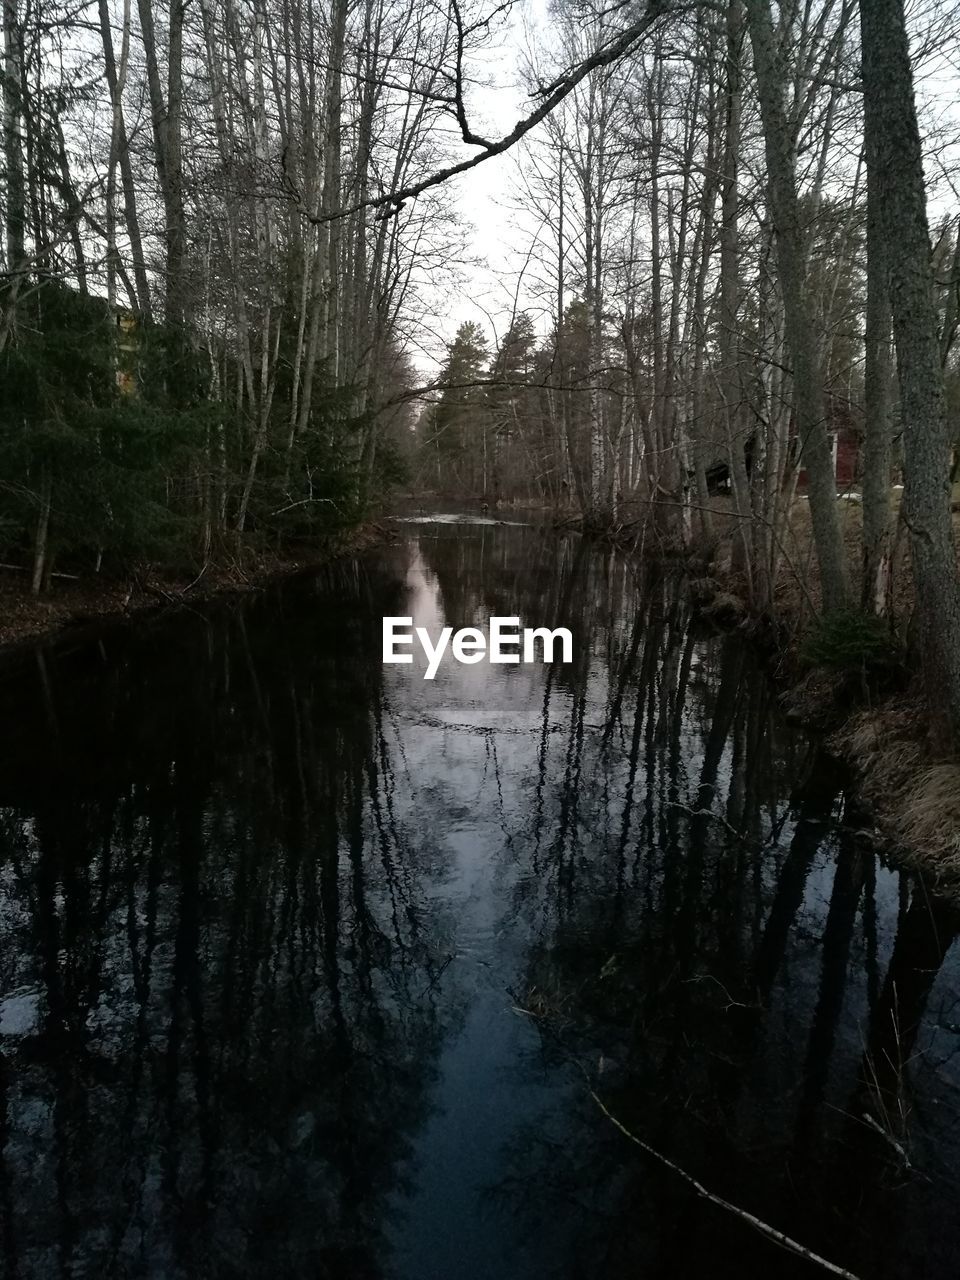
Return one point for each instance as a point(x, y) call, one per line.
point(458, 428)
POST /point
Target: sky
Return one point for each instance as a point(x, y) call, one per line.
point(482, 194)
point(496, 235)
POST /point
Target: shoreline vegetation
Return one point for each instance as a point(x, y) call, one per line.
point(859, 688)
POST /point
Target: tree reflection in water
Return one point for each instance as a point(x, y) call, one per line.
point(215, 930)
point(267, 907)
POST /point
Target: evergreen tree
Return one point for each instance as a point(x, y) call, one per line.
point(457, 429)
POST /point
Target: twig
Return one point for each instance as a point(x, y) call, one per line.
point(731, 1003)
point(22, 568)
point(302, 503)
point(708, 813)
point(898, 1147)
point(437, 976)
point(196, 579)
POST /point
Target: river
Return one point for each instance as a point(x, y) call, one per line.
point(313, 968)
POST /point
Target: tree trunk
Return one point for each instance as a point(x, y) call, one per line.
point(12, 135)
point(898, 160)
point(41, 541)
point(780, 148)
point(730, 389)
point(120, 151)
point(167, 132)
point(878, 369)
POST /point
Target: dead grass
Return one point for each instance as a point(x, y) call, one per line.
point(817, 699)
point(725, 608)
point(915, 801)
point(931, 815)
point(914, 798)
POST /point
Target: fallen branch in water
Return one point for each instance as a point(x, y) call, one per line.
point(709, 813)
point(437, 976)
point(764, 1228)
point(771, 839)
point(758, 1224)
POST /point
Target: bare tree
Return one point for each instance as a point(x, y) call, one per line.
point(780, 145)
point(897, 158)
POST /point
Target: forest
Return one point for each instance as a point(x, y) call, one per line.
point(735, 266)
point(634, 323)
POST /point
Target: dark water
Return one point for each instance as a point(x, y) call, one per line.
point(309, 967)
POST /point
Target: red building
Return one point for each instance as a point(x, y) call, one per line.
point(846, 437)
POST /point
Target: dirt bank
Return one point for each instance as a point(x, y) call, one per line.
point(75, 601)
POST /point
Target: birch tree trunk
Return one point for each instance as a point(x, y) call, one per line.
point(116, 86)
point(167, 132)
point(120, 151)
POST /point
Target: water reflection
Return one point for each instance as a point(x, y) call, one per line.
point(308, 964)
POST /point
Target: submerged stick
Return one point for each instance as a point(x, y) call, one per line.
point(771, 1233)
point(758, 1224)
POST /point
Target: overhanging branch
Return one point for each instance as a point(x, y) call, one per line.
point(392, 202)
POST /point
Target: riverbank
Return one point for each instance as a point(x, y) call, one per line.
point(78, 601)
point(906, 791)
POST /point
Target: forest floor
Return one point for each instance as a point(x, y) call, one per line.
point(906, 788)
point(81, 600)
